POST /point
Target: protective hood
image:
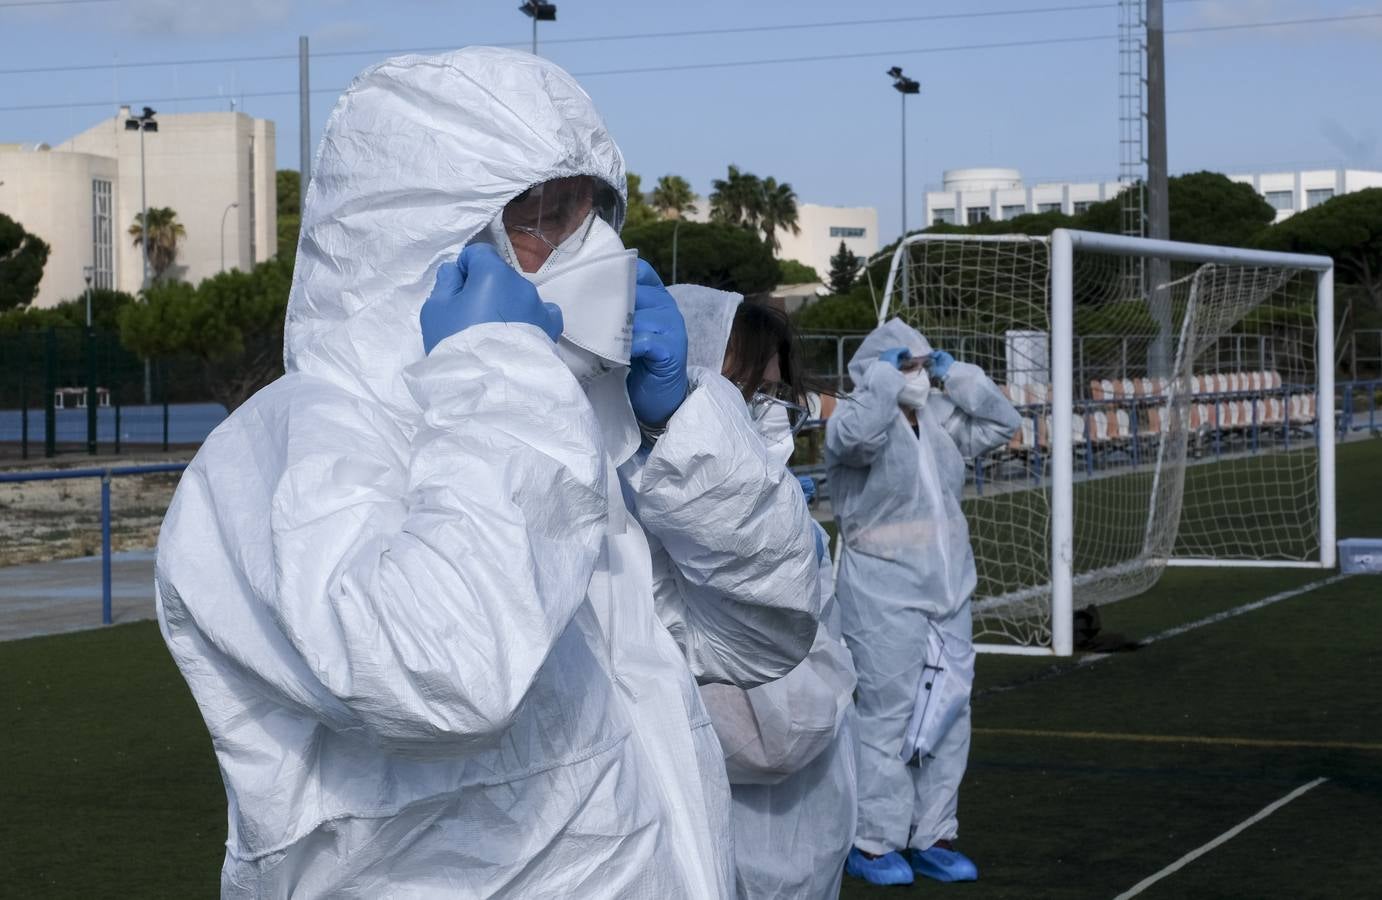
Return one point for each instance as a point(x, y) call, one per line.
point(892, 333)
point(709, 316)
point(418, 156)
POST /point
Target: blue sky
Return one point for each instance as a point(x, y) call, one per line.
point(1238, 99)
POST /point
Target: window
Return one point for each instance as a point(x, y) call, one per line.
point(1081, 206)
point(1281, 199)
point(1048, 207)
point(102, 250)
point(839, 231)
point(1316, 197)
point(976, 214)
point(1016, 209)
point(945, 216)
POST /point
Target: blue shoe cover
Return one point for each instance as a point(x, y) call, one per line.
point(890, 868)
point(941, 864)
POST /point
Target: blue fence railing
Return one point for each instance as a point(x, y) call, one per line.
point(105, 474)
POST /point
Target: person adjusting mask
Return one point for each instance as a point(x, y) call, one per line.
point(895, 455)
point(789, 745)
point(404, 583)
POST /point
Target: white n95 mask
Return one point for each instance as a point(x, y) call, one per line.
point(592, 278)
point(775, 428)
point(916, 389)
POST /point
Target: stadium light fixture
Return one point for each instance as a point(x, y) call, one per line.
point(538, 11)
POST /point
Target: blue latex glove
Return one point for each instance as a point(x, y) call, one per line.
point(895, 357)
point(820, 544)
point(939, 363)
point(480, 287)
point(657, 373)
point(808, 486)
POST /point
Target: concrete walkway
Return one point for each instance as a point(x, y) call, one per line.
point(56, 597)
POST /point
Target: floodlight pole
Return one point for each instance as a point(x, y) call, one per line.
point(538, 10)
point(1158, 202)
point(904, 86)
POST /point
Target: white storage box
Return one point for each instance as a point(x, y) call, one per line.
point(1360, 556)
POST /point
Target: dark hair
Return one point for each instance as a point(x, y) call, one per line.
point(760, 332)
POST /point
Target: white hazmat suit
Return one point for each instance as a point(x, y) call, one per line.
point(789, 745)
point(906, 567)
point(405, 589)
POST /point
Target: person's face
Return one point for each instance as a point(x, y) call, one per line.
point(540, 218)
point(772, 373)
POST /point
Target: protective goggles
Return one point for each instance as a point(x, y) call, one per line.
point(556, 211)
point(776, 394)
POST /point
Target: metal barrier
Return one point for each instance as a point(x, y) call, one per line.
point(105, 475)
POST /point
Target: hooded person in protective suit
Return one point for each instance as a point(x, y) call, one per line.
point(895, 451)
point(789, 745)
point(405, 582)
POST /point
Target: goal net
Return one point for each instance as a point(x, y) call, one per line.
point(1171, 413)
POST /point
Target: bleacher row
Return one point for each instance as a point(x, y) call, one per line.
point(1119, 409)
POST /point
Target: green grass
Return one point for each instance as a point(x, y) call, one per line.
point(109, 787)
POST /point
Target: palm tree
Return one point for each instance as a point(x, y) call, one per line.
point(164, 233)
point(673, 197)
point(737, 199)
point(779, 211)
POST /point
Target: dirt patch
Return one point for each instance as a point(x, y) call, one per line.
point(47, 520)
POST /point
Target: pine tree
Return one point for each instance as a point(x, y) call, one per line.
point(843, 267)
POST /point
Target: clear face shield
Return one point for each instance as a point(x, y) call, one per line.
point(554, 219)
point(558, 235)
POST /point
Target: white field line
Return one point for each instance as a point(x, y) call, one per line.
point(1221, 839)
point(1091, 658)
point(1227, 614)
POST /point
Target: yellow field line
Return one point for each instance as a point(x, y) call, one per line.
point(1178, 739)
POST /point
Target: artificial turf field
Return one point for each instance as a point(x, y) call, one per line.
point(1085, 777)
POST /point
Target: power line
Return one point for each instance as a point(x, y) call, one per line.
point(835, 57)
point(7, 4)
point(652, 35)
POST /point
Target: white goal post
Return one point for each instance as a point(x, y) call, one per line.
point(1177, 404)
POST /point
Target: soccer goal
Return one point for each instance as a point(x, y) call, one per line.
point(1177, 409)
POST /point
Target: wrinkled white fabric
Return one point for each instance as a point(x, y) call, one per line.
point(405, 590)
point(790, 751)
point(906, 563)
point(789, 744)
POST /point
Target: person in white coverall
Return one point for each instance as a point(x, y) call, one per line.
point(403, 582)
point(895, 454)
point(789, 745)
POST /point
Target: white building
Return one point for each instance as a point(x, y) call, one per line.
point(82, 196)
point(1289, 192)
point(969, 196)
point(822, 230)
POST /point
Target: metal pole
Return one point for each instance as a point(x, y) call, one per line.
point(1158, 204)
point(90, 390)
point(1062, 447)
point(1324, 408)
point(675, 229)
point(304, 122)
point(50, 413)
point(534, 34)
point(105, 549)
point(907, 257)
point(144, 204)
point(224, 213)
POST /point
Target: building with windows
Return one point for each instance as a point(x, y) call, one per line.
point(1290, 192)
point(968, 196)
point(822, 228)
point(215, 170)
